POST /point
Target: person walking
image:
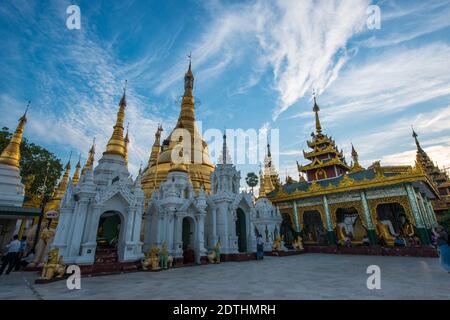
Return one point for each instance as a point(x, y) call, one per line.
point(21, 253)
point(443, 247)
point(259, 247)
point(11, 256)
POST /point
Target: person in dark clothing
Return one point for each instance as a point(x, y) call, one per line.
point(21, 253)
point(11, 257)
point(259, 247)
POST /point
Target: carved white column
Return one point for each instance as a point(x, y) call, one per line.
point(178, 236)
point(201, 234)
point(79, 225)
point(214, 226)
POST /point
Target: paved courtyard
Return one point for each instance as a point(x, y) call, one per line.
point(308, 276)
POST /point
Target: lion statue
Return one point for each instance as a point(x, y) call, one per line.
point(214, 256)
point(154, 258)
point(54, 267)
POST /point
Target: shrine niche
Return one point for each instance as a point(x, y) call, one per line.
point(314, 231)
point(348, 221)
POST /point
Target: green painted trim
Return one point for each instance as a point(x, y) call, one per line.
point(20, 211)
point(424, 237)
point(372, 237)
point(332, 240)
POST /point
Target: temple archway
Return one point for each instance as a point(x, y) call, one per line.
point(313, 230)
point(109, 234)
point(241, 230)
point(188, 237)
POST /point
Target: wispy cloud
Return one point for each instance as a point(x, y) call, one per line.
point(302, 42)
point(394, 141)
point(391, 82)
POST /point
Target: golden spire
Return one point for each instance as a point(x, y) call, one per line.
point(189, 79)
point(11, 154)
point(90, 160)
point(316, 109)
point(186, 119)
point(127, 141)
point(76, 175)
point(116, 144)
point(262, 186)
point(58, 194)
point(156, 146)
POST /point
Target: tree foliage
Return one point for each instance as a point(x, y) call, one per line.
point(33, 165)
point(251, 180)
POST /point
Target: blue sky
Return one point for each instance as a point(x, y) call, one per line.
point(255, 62)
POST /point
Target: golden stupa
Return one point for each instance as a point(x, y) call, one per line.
point(198, 164)
point(11, 154)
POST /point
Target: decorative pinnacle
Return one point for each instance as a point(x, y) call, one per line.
point(415, 136)
point(316, 109)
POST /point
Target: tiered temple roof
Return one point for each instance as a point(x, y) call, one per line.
point(326, 160)
point(439, 177)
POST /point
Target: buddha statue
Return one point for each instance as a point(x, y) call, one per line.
point(383, 230)
point(101, 240)
point(358, 230)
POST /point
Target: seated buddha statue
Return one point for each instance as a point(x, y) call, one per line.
point(101, 240)
point(359, 231)
point(383, 231)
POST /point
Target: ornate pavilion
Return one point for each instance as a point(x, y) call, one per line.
point(339, 200)
point(439, 177)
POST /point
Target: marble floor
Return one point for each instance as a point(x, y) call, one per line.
point(308, 276)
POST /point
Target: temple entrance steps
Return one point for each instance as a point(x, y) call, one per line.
point(106, 254)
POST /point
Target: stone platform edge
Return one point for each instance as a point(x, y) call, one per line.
point(425, 252)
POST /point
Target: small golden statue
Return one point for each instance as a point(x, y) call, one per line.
point(298, 244)
point(154, 258)
point(145, 261)
point(214, 256)
point(277, 244)
point(408, 229)
point(54, 267)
